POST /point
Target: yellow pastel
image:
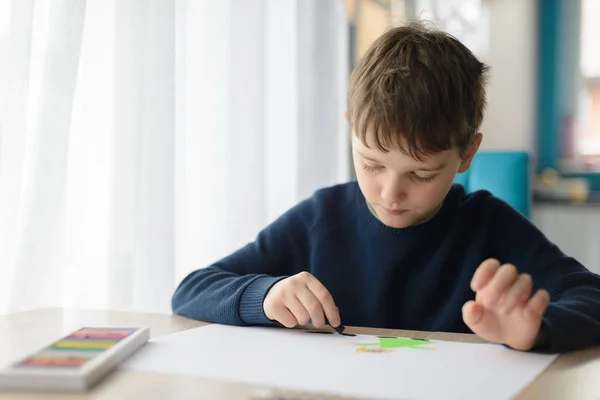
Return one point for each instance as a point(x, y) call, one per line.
point(84, 344)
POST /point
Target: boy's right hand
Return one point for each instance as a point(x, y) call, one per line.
point(299, 299)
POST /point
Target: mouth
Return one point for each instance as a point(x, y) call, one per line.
point(393, 211)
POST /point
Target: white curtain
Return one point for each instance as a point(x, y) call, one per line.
point(142, 139)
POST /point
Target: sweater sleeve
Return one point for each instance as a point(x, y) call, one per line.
point(572, 320)
point(232, 290)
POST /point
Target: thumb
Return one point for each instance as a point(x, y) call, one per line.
point(472, 313)
point(481, 321)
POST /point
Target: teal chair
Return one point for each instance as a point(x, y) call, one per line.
point(505, 174)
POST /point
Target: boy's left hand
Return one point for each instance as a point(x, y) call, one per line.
point(504, 310)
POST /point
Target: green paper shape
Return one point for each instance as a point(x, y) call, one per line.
point(394, 343)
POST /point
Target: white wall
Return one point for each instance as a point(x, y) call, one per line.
point(510, 121)
point(504, 36)
point(575, 230)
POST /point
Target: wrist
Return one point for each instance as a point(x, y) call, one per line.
point(251, 305)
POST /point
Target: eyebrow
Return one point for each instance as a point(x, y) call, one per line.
point(433, 169)
point(424, 169)
point(367, 158)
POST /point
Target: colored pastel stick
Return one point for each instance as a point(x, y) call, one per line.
point(90, 350)
point(98, 335)
point(104, 332)
point(47, 355)
point(61, 353)
point(53, 363)
point(84, 344)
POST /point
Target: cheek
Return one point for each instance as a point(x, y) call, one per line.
point(368, 184)
point(430, 195)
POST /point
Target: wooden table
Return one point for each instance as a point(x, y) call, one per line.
point(572, 376)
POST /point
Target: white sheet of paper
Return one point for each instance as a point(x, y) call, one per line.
point(334, 364)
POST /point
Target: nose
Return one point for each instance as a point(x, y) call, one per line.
point(393, 192)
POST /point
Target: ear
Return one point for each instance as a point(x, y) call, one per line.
point(470, 153)
point(346, 115)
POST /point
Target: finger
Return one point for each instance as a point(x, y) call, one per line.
point(472, 313)
point(298, 310)
point(484, 273)
point(538, 303)
point(285, 317)
point(326, 300)
point(518, 294)
point(313, 306)
point(481, 321)
point(496, 288)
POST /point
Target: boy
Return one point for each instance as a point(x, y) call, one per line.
point(403, 247)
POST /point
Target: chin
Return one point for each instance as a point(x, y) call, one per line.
point(396, 223)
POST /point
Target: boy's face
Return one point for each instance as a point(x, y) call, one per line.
point(401, 190)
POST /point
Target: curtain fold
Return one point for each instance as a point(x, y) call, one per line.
point(142, 139)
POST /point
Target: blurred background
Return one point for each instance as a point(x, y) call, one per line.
point(142, 139)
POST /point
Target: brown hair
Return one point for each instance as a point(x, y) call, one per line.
point(419, 87)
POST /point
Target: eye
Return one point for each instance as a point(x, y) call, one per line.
point(372, 168)
point(421, 178)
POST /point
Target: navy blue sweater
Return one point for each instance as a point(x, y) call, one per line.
point(415, 278)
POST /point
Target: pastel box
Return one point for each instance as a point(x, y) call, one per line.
point(75, 362)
